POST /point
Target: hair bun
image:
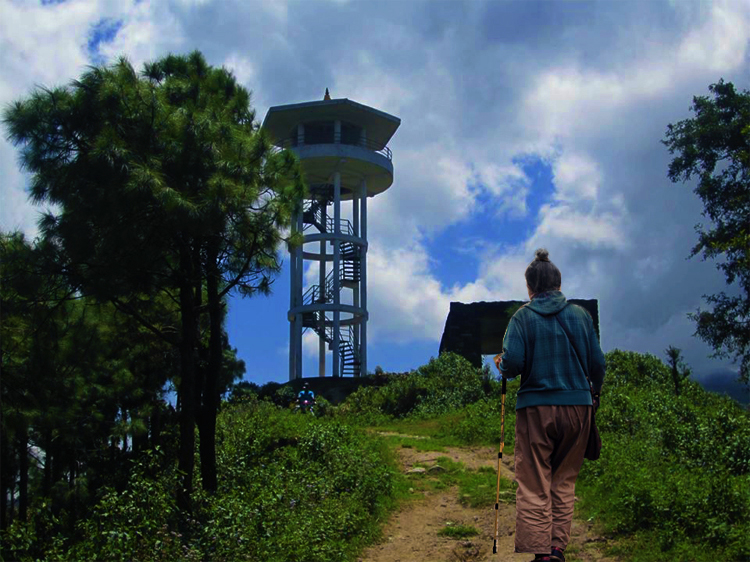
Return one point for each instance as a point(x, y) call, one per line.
point(542, 254)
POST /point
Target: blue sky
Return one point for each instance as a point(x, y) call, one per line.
point(524, 124)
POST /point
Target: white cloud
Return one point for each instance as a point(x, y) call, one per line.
point(576, 177)
point(720, 44)
point(508, 183)
point(43, 44)
point(569, 100)
point(567, 222)
point(432, 189)
point(150, 29)
point(405, 301)
point(242, 68)
point(310, 342)
point(40, 45)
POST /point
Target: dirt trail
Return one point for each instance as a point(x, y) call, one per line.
point(411, 533)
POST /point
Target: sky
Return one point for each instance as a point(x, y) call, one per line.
point(524, 124)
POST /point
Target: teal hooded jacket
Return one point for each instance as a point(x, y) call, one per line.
point(536, 347)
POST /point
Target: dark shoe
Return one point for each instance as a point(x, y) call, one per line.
point(557, 555)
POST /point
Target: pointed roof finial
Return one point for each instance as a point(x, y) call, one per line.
point(327, 96)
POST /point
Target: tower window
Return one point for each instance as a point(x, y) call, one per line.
point(350, 134)
point(319, 132)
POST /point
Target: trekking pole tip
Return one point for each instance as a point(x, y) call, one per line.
point(494, 547)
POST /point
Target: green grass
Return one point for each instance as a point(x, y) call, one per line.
point(425, 445)
point(476, 488)
point(424, 434)
point(479, 488)
point(458, 531)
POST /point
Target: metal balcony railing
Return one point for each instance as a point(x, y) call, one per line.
point(335, 139)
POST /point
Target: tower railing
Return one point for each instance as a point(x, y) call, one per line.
point(293, 142)
point(313, 216)
point(349, 273)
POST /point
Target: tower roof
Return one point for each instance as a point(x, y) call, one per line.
point(380, 126)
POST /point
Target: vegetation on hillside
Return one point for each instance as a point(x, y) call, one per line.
point(674, 475)
point(672, 480)
point(292, 487)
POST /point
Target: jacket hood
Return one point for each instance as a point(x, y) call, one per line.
point(548, 303)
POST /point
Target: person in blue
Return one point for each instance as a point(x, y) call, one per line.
point(306, 399)
point(555, 350)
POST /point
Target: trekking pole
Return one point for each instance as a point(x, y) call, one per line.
point(499, 456)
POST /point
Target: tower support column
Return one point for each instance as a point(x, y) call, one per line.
point(355, 290)
point(363, 278)
point(298, 288)
point(322, 287)
point(292, 304)
point(336, 274)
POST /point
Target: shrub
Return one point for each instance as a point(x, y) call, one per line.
point(480, 423)
point(139, 523)
point(443, 385)
point(450, 382)
point(673, 469)
point(322, 406)
point(314, 485)
point(284, 396)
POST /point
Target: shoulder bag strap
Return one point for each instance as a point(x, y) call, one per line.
point(570, 340)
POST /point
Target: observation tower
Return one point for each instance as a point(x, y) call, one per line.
point(342, 147)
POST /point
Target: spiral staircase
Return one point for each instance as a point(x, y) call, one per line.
point(313, 216)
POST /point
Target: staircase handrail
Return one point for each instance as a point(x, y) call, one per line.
point(316, 207)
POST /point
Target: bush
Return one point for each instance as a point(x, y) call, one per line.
point(291, 488)
point(322, 406)
point(451, 382)
point(673, 469)
point(285, 396)
point(139, 523)
point(443, 385)
point(480, 424)
point(314, 485)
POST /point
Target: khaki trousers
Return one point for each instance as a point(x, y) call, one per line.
point(550, 444)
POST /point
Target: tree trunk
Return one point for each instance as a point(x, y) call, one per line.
point(187, 384)
point(124, 417)
point(23, 469)
point(155, 427)
point(47, 477)
point(210, 384)
point(6, 454)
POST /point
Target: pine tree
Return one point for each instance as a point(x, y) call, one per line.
point(679, 370)
point(166, 186)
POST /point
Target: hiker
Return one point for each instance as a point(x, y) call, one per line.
point(305, 399)
point(553, 407)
